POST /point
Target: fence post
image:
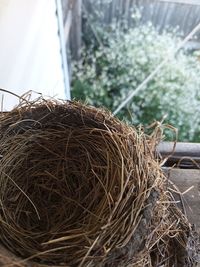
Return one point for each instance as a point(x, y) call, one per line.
point(76, 29)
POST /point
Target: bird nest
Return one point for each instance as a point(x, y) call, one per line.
point(80, 188)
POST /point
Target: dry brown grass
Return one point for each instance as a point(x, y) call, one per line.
point(80, 188)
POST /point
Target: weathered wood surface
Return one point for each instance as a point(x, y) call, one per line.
point(181, 149)
point(185, 155)
point(72, 25)
point(183, 14)
point(184, 180)
point(188, 2)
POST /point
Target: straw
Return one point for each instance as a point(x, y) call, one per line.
point(78, 187)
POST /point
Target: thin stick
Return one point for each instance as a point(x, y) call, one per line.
point(11, 93)
point(38, 215)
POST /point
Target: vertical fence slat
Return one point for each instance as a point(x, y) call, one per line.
point(161, 13)
point(76, 29)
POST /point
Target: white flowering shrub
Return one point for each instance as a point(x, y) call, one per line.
point(107, 74)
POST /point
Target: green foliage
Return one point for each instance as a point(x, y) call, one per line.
point(108, 73)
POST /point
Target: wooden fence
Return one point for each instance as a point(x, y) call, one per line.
point(72, 25)
point(162, 13)
point(182, 14)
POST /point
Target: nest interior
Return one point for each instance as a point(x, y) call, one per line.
point(80, 188)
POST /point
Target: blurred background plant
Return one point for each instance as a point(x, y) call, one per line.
point(116, 59)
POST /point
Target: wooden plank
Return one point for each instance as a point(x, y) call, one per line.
point(187, 155)
point(185, 179)
point(127, 10)
point(67, 25)
point(164, 11)
point(187, 2)
point(181, 149)
point(76, 28)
